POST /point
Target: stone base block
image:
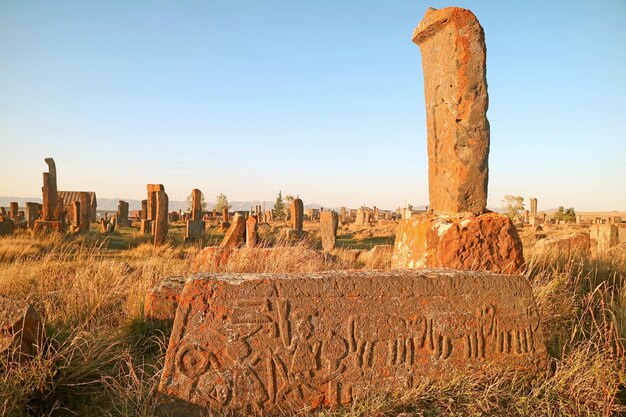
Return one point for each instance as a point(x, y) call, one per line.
point(488, 242)
point(266, 344)
point(43, 226)
point(194, 229)
point(577, 244)
point(162, 300)
point(289, 234)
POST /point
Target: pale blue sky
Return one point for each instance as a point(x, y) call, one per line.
point(322, 98)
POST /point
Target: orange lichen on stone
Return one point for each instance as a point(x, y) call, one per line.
point(266, 344)
point(488, 242)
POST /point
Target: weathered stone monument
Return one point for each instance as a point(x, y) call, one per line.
point(459, 232)
point(21, 330)
point(329, 221)
point(161, 218)
point(533, 212)
point(32, 213)
point(85, 211)
point(195, 226)
point(604, 236)
point(235, 235)
point(14, 211)
point(252, 226)
point(122, 214)
point(144, 209)
point(297, 214)
point(52, 207)
point(273, 343)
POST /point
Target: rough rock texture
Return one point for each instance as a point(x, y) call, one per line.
point(210, 258)
point(21, 330)
point(7, 226)
point(196, 204)
point(604, 236)
point(161, 220)
point(290, 235)
point(32, 213)
point(576, 244)
point(252, 226)
point(452, 44)
point(379, 257)
point(162, 300)
point(488, 242)
point(235, 235)
point(297, 214)
point(274, 343)
point(194, 229)
point(49, 191)
point(329, 220)
point(145, 227)
point(151, 205)
point(43, 226)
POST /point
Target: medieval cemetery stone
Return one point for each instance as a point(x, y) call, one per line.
point(195, 227)
point(329, 220)
point(459, 233)
point(122, 214)
point(162, 300)
point(272, 343)
point(144, 209)
point(21, 331)
point(533, 212)
point(32, 213)
point(252, 226)
point(52, 207)
point(297, 214)
point(161, 217)
point(14, 211)
point(235, 235)
point(604, 236)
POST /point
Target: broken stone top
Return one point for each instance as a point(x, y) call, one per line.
point(436, 19)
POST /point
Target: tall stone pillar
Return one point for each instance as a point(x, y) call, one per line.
point(459, 233)
point(144, 209)
point(196, 204)
point(76, 218)
point(329, 221)
point(32, 214)
point(122, 214)
point(452, 44)
point(160, 222)
point(252, 225)
point(297, 214)
point(151, 205)
point(49, 189)
point(225, 214)
point(14, 211)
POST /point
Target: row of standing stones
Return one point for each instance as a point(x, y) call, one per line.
point(269, 343)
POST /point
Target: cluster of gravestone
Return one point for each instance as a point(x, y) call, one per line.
point(273, 343)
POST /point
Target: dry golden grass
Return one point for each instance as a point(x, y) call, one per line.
point(101, 359)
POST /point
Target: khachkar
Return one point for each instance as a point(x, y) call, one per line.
point(122, 214)
point(265, 343)
point(51, 218)
point(460, 232)
point(329, 221)
point(195, 227)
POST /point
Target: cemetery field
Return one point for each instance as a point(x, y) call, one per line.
point(101, 357)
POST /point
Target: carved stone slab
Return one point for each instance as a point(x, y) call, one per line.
point(269, 343)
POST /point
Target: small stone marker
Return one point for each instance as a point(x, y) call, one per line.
point(297, 214)
point(252, 226)
point(533, 212)
point(21, 331)
point(234, 237)
point(13, 210)
point(144, 209)
point(605, 236)
point(161, 221)
point(329, 221)
point(122, 214)
point(195, 227)
point(32, 213)
point(268, 343)
point(145, 227)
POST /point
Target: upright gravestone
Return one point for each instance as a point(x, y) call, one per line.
point(252, 225)
point(122, 214)
point(85, 211)
point(32, 213)
point(297, 214)
point(52, 209)
point(160, 222)
point(14, 211)
point(459, 233)
point(533, 212)
point(235, 235)
point(144, 209)
point(329, 221)
point(195, 226)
